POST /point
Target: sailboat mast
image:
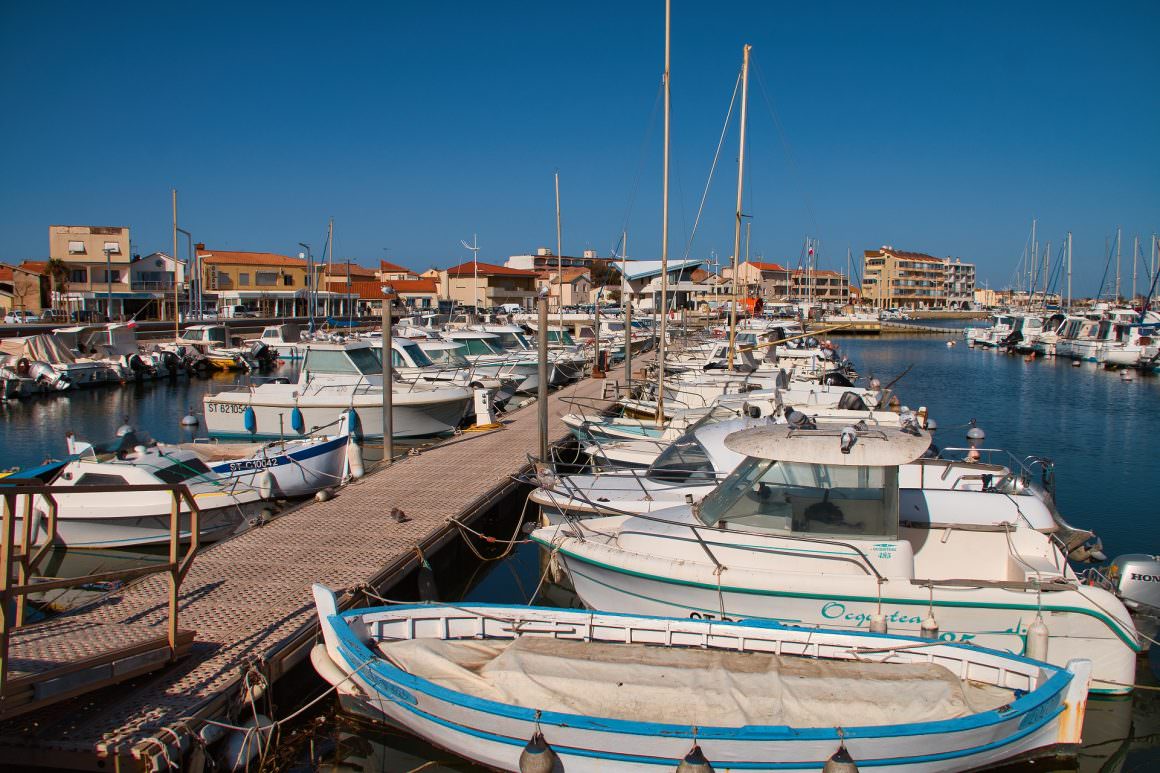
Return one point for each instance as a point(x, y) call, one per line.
point(1118, 233)
point(626, 302)
point(329, 263)
point(559, 262)
point(188, 273)
point(738, 215)
point(1034, 253)
point(662, 344)
point(1135, 260)
point(1069, 272)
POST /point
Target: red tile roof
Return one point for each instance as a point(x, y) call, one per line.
point(904, 255)
point(35, 266)
point(393, 268)
point(6, 274)
point(228, 257)
point(767, 266)
point(339, 270)
point(402, 287)
point(486, 269)
point(818, 272)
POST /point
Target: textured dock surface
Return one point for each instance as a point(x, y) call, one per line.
point(248, 596)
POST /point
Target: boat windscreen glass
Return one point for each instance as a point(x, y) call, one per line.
point(479, 346)
point(182, 471)
point(417, 355)
point(448, 356)
point(364, 361)
point(684, 460)
point(847, 502)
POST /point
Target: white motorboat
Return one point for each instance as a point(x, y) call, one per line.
point(332, 379)
point(284, 468)
point(490, 356)
point(810, 528)
point(535, 688)
point(283, 339)
point(51, 366)
point(127, 517)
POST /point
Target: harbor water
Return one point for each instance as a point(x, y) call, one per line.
point(1099, 430)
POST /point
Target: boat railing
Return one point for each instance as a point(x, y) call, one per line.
point(856, 556)
point(23, 503)
point(1021, 471)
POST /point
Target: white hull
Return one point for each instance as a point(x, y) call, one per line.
point(104, 530)
point(294, 472)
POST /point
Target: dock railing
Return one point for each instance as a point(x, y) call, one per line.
point(39, 518)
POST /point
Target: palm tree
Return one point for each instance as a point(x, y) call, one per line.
point(57, 276)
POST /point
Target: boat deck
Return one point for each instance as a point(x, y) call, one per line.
point(248, 599)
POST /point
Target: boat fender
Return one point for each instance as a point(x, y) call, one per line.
point(297, 421)
point(265, 483)
point(324, 495)
point(354, 460)
point(877, 623)
point(189, 419)
point(840, 762)
point(354, 424)
point(1126, 374)
point(694, 762)
point(249, 420)
point(537, 756)
point(1075, 363)
point(428, 590)
point(1037, 636)
point(929, 627)
point(243, 747)
point(325, 665)
point(125, 428)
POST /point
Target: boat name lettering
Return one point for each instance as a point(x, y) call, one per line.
point(711, 616)
point(225, 408)
point(1145, 577)
point(254, 464)
point(836, 610)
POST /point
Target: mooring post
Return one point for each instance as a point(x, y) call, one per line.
point(388, 380)
point(542, 392)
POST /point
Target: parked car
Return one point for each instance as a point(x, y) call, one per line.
point(87, 315)
point(19, 317)
point(54, 315)
point(237, 311)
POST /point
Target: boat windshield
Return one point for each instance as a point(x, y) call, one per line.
point(717, 415)
point(808, 499)
point(182, 471)
point(512, 341)
point(416, 354)
point(684, 460)
point(448, 356)
point(362, 361)
point(476, 346)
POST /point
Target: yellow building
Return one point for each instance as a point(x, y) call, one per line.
point(264, 282)
point(97, 261)
point(911, 280)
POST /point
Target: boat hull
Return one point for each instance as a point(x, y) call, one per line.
point(295, 472)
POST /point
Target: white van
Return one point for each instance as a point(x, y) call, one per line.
point(511, 308)
point(236, 310)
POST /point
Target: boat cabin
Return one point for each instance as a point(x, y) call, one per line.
point(205, 334)
point(353, 359)
point(510, 338)
point(475, 343)
point(831, 482)
point(287, 333)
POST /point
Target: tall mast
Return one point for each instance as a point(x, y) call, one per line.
point(559, 262)
point(662, 344)
point(1069, 272)
point(1117, 300)
point(1135, 260)
point(329, 264)
point(738, 215)
point(176, 284)
point(1034, 256)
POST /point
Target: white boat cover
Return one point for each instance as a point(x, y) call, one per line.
point(692, 686)
point(38, 348)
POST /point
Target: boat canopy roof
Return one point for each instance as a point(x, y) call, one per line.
point(42, 348)
point(872, 447)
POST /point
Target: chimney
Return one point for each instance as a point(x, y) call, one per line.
point(199, 246)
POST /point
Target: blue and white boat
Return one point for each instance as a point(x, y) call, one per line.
point(511, 687)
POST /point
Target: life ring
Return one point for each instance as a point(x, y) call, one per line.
point(23, 366)
point(1145, 340)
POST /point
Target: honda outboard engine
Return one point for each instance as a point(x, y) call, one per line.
point(44, 373)
point(1135, 578)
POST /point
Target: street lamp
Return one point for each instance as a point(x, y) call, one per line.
point(388, 378)
point(474, 247)
point(309, 272)
point(542, 351)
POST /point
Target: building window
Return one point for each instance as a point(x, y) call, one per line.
point(113, 247)
point(243, 279)
point(78, 275)
point(76, 248)
point(288, 280)
point(266, 278)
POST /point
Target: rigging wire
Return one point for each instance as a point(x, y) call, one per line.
point(652, 122)
point(713, 166)
point(785, 145)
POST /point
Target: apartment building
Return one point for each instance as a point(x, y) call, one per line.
point(491, 285)
point(269, 283)
point(960, 284)
point(896, 278)
point(819, 286)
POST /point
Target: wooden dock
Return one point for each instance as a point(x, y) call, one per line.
point(248, 600)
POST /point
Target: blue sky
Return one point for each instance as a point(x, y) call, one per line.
point(942, 128)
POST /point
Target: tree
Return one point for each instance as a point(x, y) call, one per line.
point(57, 277)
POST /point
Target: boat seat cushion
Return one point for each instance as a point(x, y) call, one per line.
point(705, 687)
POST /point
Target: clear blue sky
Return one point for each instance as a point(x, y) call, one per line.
point(941, 128)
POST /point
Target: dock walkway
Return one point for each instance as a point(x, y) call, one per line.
point(248, 598)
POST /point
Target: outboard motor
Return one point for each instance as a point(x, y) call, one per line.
point(44, 373)
point(852, 402)
point(265, 356)
point(1012, 339)
point(1135, 578)
point(837, 378)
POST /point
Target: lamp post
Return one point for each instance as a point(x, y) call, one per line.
point(388, 379)
point(309, 273)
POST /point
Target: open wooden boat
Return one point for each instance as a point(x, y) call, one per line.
point(595, 691)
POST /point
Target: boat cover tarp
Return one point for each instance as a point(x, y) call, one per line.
point(692, 686)
point(38, 348)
